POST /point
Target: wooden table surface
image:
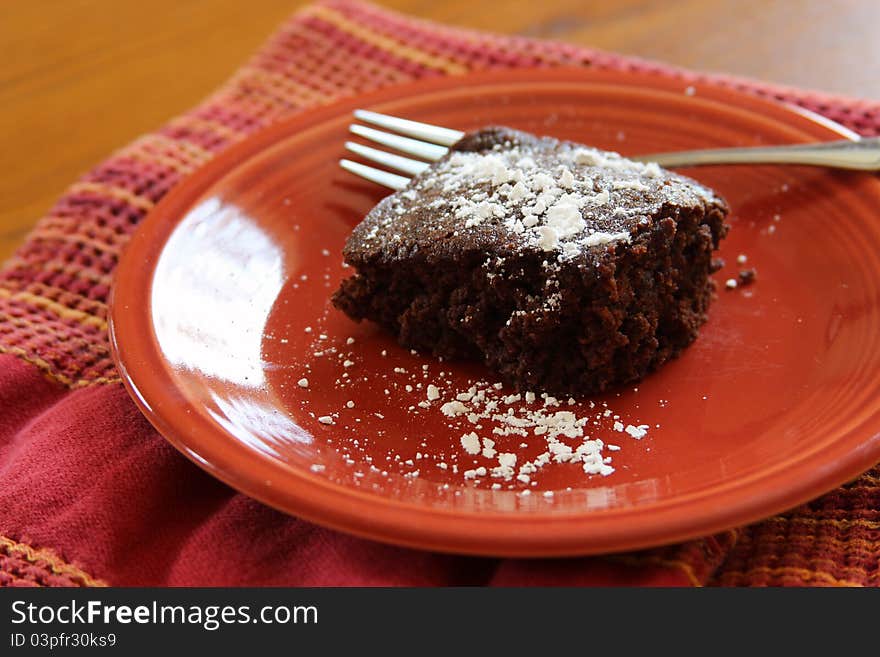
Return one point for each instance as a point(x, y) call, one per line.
point(79, 78)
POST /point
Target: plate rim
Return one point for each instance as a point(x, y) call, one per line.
point(344, 508)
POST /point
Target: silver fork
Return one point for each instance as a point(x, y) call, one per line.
point(429, 143)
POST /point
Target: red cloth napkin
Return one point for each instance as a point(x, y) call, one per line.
point(90, 494)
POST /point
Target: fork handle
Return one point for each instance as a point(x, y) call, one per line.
point(863, 154)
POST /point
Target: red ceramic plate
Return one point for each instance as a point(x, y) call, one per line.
point(221, 306)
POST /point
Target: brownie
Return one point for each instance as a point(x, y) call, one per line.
point(565, 269)
point(747, 276)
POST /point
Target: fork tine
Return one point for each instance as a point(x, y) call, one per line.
point(424, 131)
point(378, 176)
point(404, 164)
point(406, 145)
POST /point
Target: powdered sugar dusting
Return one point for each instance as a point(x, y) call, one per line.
point(557, 197)
point(564, 433)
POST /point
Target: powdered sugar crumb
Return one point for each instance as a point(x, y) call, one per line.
point(471, 443)
point(637, 432)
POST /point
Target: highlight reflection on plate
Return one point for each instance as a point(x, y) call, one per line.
point(221, 308)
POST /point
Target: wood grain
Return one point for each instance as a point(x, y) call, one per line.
point(79, 78)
